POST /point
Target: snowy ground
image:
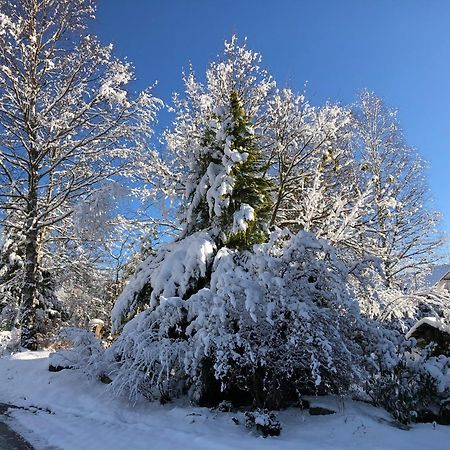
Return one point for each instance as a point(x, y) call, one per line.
point(66, 411)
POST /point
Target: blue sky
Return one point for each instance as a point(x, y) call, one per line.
point(398, 48)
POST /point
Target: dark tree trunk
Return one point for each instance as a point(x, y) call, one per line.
point(29, 338)
point(29, 294)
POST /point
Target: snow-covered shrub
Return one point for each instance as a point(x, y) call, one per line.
point(263, 422)
point(152, 352)
point(409, 379)
point(9, 341)
point(416, 388)
point(279, 322)
point(271, 325)
point(86, 353)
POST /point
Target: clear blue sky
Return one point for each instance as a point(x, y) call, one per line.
point(398, 48)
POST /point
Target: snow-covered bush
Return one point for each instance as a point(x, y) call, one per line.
point(281, 321)
point(151, 354)
point(263, 422)
point(272, 324)
point(409, 378)
point(85, 354)
point(9, 341)
point(416, 388)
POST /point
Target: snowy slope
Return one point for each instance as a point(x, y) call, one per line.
point(66, 411)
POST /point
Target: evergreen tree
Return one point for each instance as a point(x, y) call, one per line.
point(250, 199)
point(232, 198)
point(216, 167)
point(11, 277)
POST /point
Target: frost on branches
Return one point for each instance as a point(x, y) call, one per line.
point(401, 227)
point(67, 125)
point(295, 240)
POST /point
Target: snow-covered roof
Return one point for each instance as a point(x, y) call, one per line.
point(434, 322)
point(436, 275)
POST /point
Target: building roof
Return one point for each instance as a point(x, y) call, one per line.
point(434, 322)
point(436, 275)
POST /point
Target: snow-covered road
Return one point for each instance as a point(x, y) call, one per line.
point(9, 439)
point(66, 411)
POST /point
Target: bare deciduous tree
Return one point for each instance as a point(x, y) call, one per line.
point(67, 122)
point(402, 229)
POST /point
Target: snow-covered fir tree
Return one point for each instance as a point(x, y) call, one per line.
point(217, 171)
point(11, 277)
point(50, 310)
point(227, 193)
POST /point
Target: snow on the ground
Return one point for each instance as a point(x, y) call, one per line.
point(65, 410)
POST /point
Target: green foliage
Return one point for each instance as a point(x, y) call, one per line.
point(249, 184)
point(251, 187)
point(404, 392)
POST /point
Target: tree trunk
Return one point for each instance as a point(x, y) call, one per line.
point(29, 333)
point(30, 292)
